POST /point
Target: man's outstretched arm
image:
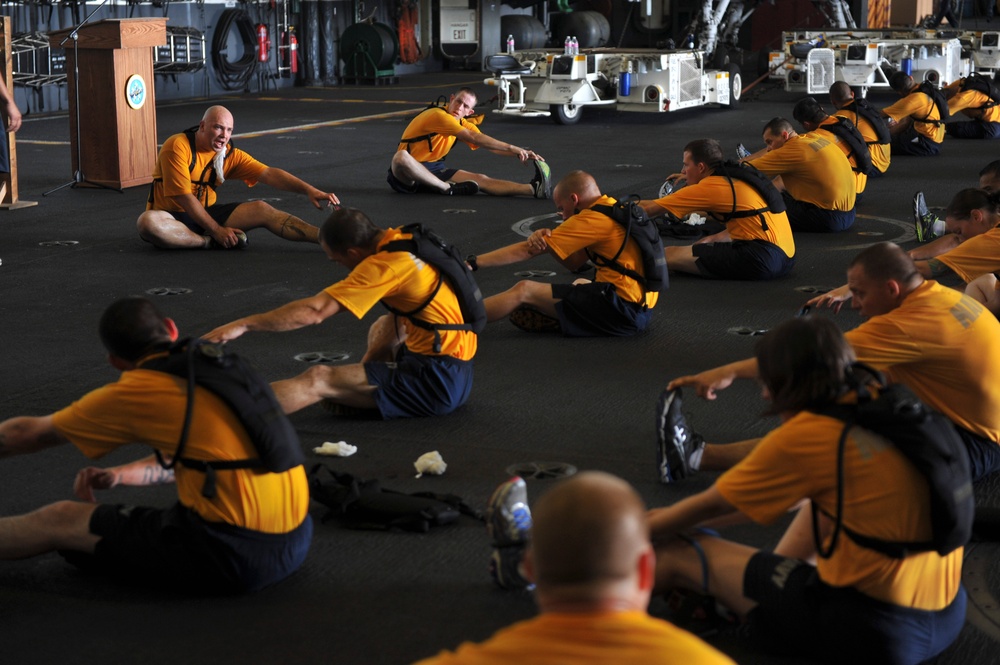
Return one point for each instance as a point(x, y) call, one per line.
point(481, 140)
point(281, 179)
point(25, 434)
point(710, 381)
point(296, 314)
point(140, 473)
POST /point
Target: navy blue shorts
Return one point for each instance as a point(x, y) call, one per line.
point(177, 549)
point(798, 614)
point(595, 310)
point(220, 212)
point(810, 218)
point(415, 385)
point(437, 168)
point(742, 259)
point(973, 129)
point(984, 455)
point(909, 142)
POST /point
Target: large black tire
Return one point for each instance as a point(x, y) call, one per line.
point(763, 63)
point(566, 114)
point(735, 85)
point(720, 59)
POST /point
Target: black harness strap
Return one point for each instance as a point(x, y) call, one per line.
point(424, 137)
point(208, 177)
point(613, 262)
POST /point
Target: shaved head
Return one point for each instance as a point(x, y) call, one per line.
point(589, 532)
point(580, 183)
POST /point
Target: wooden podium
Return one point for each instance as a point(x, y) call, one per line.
point(117, 111)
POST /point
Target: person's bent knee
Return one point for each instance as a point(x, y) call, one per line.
point(527, 291)
point(255, 209)
point(146, 224)
point(401, 161)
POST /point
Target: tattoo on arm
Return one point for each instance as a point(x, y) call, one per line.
point(155, 474)
point(937, 268)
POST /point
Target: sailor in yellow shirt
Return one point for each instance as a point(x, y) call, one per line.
point(182, 212)
point(592, 564)
point(419, 163)
point(613, 304)
point(814, 119)
point(408, 370)
point(817, 182)
point(895, 610)
point(869, 121)
point(757, 242)
point(254, 530)
point(973, 96)
point(916, 124)
point(940, 343)
point(971, 247)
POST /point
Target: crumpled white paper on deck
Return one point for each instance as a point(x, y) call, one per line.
point(337, 449)
point(431, 463)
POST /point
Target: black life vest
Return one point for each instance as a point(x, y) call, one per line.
point(985, 85)
point(845, 130)
point(628, 214)
point(862, 109)
point(207, 178)
point(440, 105)
point(939, 100)
point(434, 251)
point(762, 184)
point(246, 393)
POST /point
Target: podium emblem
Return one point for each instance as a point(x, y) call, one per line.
point(135, 91)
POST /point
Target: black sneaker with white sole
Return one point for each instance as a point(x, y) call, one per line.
point(542, 182)
point(464, 188)
point(675, 440)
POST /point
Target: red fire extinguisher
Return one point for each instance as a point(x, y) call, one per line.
point(289, 53)
point(263, 43)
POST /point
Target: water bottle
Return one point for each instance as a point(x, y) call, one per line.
point(566, 46)
point(689, 42)
point(510, 44)
point(574, 46)
point(625, 81)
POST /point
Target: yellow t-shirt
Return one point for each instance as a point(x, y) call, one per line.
point(440, 127)
point(148, 407)
point(589, 229)
point(405, 283)
point(881, 152)
point(974, 257)
point(945, 347)
point(917, 105)
point(586, 638)
point(814, 170)
point(885, 497)
point(173, 175)
point(714, 194)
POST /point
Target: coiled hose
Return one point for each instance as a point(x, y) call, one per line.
point(234, 75)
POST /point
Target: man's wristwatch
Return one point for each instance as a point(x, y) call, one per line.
point(473, 261)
